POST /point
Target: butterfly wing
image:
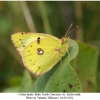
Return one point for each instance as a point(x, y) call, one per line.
point(41, 55)
point(40, 58)
point(21, 40)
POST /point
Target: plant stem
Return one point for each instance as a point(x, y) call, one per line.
point(78, 14)
point(28, 16)
point(44, 17)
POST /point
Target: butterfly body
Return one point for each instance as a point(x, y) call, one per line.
point(40, 52)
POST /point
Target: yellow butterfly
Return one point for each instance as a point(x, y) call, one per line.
point(40, 52)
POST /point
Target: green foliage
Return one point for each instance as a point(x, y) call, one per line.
point(24, 84)
point(86, 62)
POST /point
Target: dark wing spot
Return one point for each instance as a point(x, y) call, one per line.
point(64, 90)
point(40, 51)
point(30, 60)
point(31, 45)
point(38, 66)
point(23, 45)
point(38, 37)
point(70, 86)
point(19, 39)
point(26, 33)
point(38, 40)
point(22, 33)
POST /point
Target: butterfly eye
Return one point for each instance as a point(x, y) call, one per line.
point(40, 51)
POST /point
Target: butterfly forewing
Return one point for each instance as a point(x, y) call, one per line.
point(21, 40)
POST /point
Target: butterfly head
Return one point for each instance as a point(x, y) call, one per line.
point(65, 39)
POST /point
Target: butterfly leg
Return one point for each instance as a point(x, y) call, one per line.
point(68, 56)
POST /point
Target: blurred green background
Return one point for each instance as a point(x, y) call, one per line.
point(51, 17)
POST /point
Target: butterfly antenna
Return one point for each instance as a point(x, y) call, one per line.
point(69, 29)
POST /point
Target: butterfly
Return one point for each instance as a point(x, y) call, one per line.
point(40, 52)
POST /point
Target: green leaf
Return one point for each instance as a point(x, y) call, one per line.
point(26, 82)
point(86, 66)
point(11, 89)
point(62, 77)
point(73, 49)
